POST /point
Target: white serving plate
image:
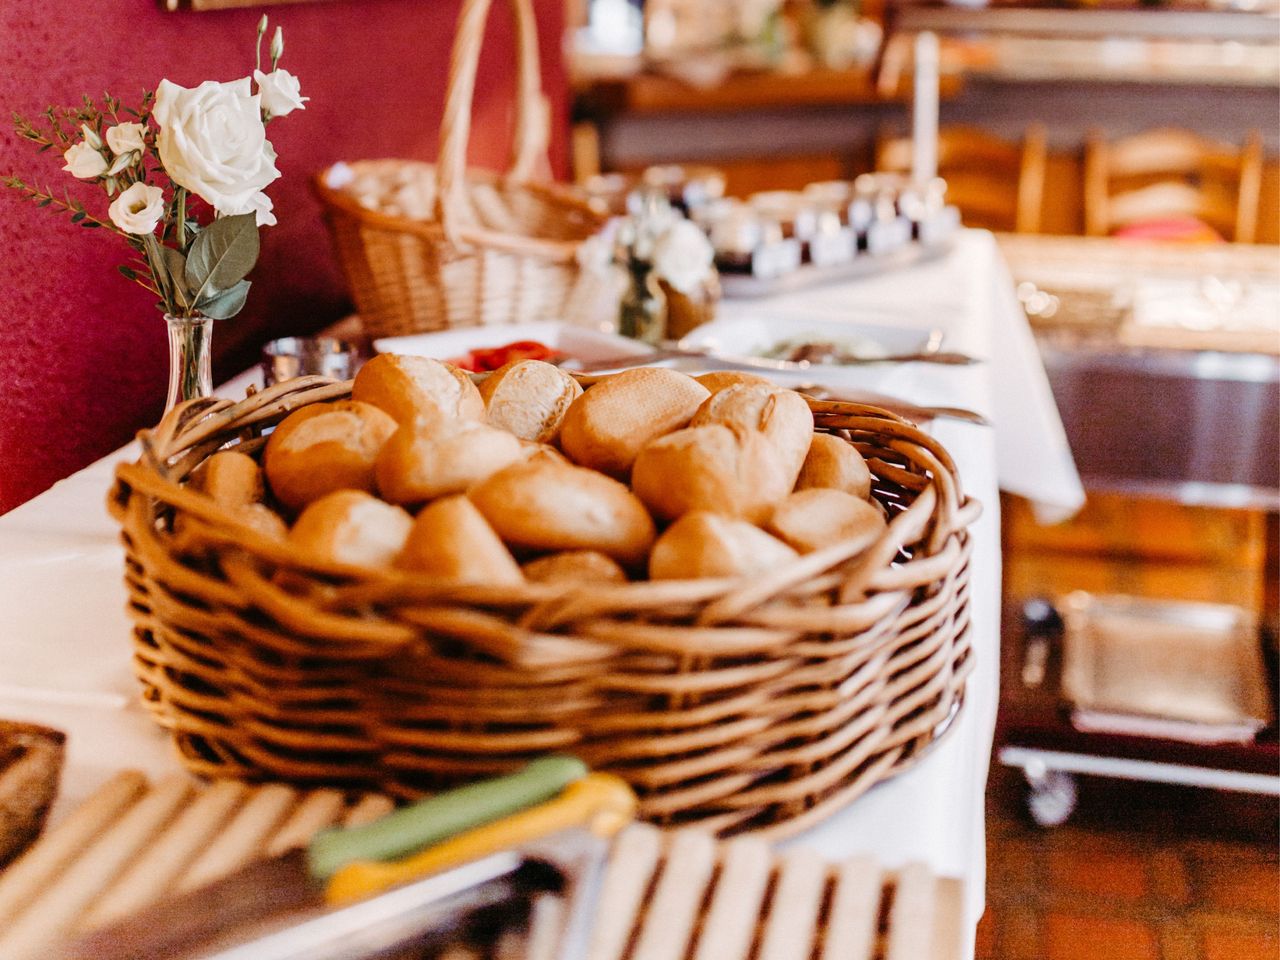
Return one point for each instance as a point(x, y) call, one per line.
point(582, 343)
point(741, 338)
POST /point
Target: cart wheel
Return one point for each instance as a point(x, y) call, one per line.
point(1051, 796)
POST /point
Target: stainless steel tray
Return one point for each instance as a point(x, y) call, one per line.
point(740, 285)
point(1175, 669)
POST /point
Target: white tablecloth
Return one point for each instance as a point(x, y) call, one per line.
point(63, 629)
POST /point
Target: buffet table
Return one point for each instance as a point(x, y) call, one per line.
point(66, 660)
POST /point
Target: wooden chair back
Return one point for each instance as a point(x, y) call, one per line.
point(995, 183)
point(1170, 173)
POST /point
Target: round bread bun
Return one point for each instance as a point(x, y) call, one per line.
point(718, 380)
point(782, 416)
point(450, 540)
point(231, 478)
point(263, 519)
point(812, 519)
point(547, 506)
point(722, 469)
point(529, 398)
point(610, 424)
point(325, 447)
point(837, 464)
point(417, 465)
point(415, 389)
point(703, 544)
point(575, 566)
point(350, 526)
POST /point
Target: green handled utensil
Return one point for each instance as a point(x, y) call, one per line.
point(436, 818)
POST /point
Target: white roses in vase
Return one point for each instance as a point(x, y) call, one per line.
point(208, 142)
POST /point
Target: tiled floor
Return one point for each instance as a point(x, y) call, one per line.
point(1140, 872)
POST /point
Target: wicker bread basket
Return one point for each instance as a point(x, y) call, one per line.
point(738, 705)
point(498, 248)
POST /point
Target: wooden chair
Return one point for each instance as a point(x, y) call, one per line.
point(996, 184)
point(1173, 173)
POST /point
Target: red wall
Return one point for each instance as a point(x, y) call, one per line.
point(82, 351)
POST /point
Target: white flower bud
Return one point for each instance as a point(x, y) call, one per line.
point(85, 162)
point(277, 46)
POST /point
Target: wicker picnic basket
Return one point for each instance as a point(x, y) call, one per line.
point(762, 704)
point(497, 248)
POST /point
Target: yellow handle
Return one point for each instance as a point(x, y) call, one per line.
point(600, 802)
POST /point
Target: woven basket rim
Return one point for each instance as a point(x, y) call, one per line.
point(558, 251)
point(148, 474)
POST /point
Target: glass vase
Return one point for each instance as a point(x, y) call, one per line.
point(643, 311)
point(190, 359)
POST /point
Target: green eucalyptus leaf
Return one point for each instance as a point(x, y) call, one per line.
point(224, 304)
point(176, 265)
point(222, 253)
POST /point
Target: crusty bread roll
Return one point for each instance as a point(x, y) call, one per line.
point(543, 505)
point(575, 566)
point(529, 398)
point(703, 544)
point(812, 519)
point(325, 447)
point(418, 389)
point(230, 477)
point(718, 380)
point(718, 468)
point(350, 526)
point(610, 424)
point(837, 464)
point(263, 519)
point(452, 541)
point(417, 465)
point(781, 415)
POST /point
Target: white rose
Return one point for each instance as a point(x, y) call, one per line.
point(212, 141)
point(683, 256)
point(279, 91)
point(126, 138)
point(262, 206)
point(84, 162)
point(138, 209)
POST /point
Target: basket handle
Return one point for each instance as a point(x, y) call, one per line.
point(532, 114)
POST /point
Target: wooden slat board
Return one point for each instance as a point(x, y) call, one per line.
point(665, 896)
point(682, 896)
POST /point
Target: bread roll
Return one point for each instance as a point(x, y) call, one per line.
point(230, 477)
point(718, 380)
point(782, 416)
point(543, 505)
point(350, 526)
point(529, 398)
point(575, 566)
point(418, 389)
point(415, 465)
point(836, 464)
point(325, 447)
point(263, 519)
point(610, 424)
point(722, 469)
point(812, 519)
point(451, 540)
point(702, 544)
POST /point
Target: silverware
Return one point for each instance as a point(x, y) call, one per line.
point(949, 358)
